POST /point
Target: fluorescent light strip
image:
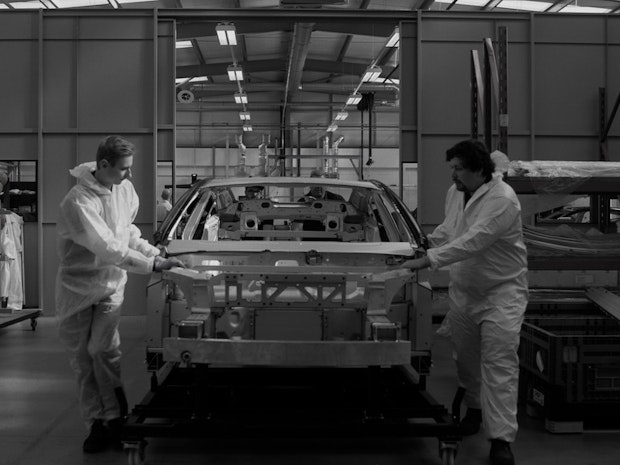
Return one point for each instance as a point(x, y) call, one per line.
point(241, 97)
point(235, 73)
point(244, 115)
point(184, 44)
point(472, 2)
point(226, 34)
point(341, 116)
point(199, 79)
point(79, 3)
point(583, 9)
point(354, 99)
point(371, 73)
point(393, 39)
point(524, 5)
point(34, 5)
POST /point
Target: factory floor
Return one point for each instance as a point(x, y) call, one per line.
point(40, 423)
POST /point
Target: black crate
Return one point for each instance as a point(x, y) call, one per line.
point(570, 365)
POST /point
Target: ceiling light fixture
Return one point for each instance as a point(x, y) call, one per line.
point(226, 34)
point(241, 97)
point(247, 127)
point(235, 73)
point(183, 44)
point(244, 115)
point(394, 39)
point(341, 116)
point(354, 99)
point(332, 127)
point(371, 74)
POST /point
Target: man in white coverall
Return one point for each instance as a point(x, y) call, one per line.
point(482, 242)
point(97, 245)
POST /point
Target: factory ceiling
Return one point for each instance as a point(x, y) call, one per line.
point(299, 68)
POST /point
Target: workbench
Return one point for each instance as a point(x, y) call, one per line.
point(8, 319)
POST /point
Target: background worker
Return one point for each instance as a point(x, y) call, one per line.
point(163, 205)
point(319, 192)
point(97, 244)
point(481, 239)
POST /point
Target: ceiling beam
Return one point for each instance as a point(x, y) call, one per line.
point(258, 66)
point(490, 5)
point(215, 69)
point(193, 29)
point(425, 5)
point(297, 59)
point(209, 89)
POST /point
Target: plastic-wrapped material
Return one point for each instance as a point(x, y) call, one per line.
point(564, 169)
point(562, 177)
point(566, 241)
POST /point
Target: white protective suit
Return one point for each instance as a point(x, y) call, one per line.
point(97, 245)
point(482, 242)
point(11, 259)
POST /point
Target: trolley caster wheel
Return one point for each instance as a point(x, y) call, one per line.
point(33, 324)
point(447, 452)
point(135, 452)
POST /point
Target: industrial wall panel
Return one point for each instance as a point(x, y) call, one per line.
point(519, 84)
point(60, 27)
point(16, 25)
point(143, 175)
point(566, 82)
point(115, 27)
point(613, 29)
point(18, 146)
point(115, 85)
point(519, 147)
point(19, 83)
point(569, 28)
point(165, 145)
point(566, 148)
point(31, 264)
point(60, 156)
point(434, 178)
point(444, 82)
point(59, 85)
point(165, 73)
point(613, 149)
point(49, 268)
point(449, 29)
point(409, 92)
point(613, 85)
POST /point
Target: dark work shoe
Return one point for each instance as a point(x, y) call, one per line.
point(114, 432)
point(97, 440)
point(470, 424)
point(500, 453)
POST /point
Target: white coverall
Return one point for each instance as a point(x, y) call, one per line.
point(11, 259)
point(97, 245)
point(482, 242)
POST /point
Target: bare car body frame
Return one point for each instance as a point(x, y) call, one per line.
point(297, 283)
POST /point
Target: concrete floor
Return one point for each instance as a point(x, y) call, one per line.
point(40, 423)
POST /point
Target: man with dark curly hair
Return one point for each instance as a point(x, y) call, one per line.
point(481, 241)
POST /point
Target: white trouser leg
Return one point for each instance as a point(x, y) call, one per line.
point(465, 335)
point(92, 339)
point(500, 379)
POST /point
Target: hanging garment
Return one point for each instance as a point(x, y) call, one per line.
point(11, 259)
